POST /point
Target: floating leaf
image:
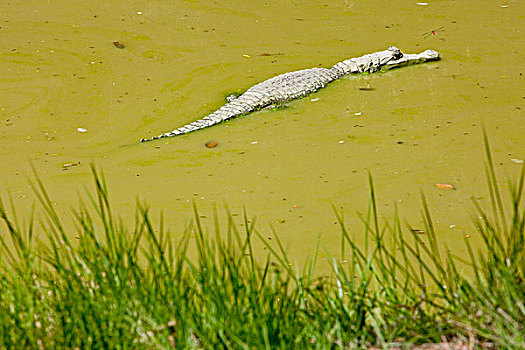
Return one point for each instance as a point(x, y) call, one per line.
point(119, 44)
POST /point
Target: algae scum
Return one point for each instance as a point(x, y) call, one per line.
point(71, 97)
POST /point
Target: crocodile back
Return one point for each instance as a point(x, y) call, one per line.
point(279, 89)
point(289, 86)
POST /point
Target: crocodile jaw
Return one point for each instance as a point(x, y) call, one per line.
point(408, 59)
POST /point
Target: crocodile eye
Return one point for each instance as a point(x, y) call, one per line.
point(398, 55)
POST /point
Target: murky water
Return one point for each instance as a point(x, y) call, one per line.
point(420, 125)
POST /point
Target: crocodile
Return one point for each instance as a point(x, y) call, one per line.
point(288, 86)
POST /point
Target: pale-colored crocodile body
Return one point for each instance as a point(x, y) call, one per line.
point(289, 86)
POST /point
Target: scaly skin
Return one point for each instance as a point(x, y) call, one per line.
point(289, 86)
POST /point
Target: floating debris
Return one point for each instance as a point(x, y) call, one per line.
point(517, 161)
point(270, 54)
point(419, 232)
point(69, 165)
point(433, 32)
point(81, 130)
point(368, 87)
point(211, 144)
point(119, 44)
point(246, 56)
point(445, 186)
point(422, 3)
point(357, 114)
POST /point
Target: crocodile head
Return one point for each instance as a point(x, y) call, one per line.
point(406, 59)
point(382, 60)
point(393, 53)
point(375, 61)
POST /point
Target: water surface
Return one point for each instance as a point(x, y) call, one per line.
point(420, 125)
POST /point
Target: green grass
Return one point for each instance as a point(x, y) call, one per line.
point(113, 286)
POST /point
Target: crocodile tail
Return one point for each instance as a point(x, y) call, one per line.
point(235, 108)
point(193, 126)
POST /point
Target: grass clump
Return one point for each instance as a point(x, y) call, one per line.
point(116, 287)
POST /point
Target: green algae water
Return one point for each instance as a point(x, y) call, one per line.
point(70, 97)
